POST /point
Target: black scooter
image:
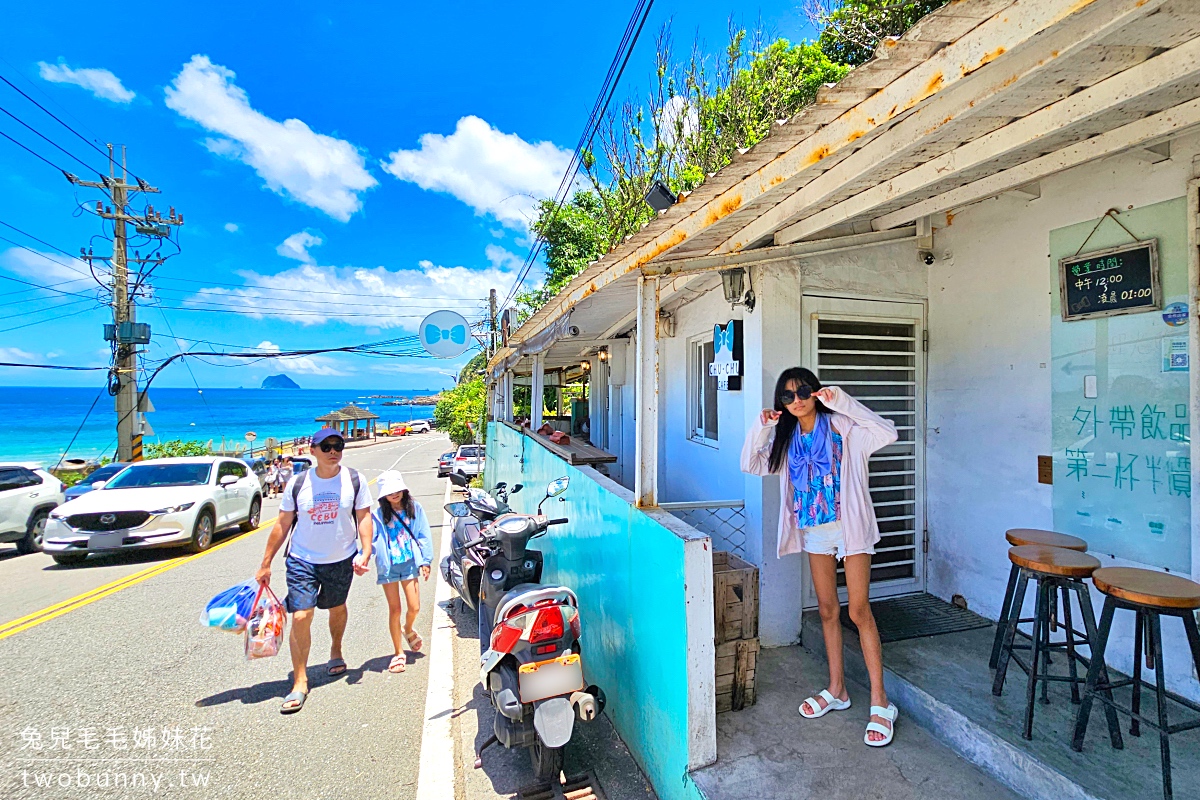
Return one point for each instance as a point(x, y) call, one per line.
point(533, 667)
point(463, 568)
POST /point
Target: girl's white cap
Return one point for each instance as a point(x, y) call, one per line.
point(391, 482)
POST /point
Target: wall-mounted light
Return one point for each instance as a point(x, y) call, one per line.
point(659, 197)
point(733, 286)
point(603, 355)
point(585, 365)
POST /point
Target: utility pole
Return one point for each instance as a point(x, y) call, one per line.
point(491, 324)
point(125, 333)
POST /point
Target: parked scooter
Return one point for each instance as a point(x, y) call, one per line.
point(533, 669)
point(463, 568)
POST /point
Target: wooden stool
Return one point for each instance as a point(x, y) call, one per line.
point(1149, 594)
point(1018, 537)
point(1056, 571)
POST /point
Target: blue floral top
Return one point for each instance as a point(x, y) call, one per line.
point(820, 502)
point(393, 544)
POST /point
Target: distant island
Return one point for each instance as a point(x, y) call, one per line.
point(280, 381)
point(430, 400)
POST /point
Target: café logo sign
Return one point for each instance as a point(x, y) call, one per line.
point(726, 365)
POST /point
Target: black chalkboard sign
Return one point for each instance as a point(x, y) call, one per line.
point(1119, 280)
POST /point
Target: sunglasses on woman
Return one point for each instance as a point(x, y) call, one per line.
point(337, 447)
point(788, 397)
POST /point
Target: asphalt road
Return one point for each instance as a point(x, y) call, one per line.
point(135, 666)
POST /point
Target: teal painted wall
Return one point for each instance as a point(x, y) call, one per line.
point(628, 572)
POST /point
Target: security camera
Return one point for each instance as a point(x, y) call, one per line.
point(927, 257)
point(573, 330)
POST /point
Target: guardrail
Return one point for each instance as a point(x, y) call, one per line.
point(723, 520)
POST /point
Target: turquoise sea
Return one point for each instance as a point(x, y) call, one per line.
point(37, 423)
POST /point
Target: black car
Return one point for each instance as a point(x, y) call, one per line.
point(258, 465)
point(104, 473)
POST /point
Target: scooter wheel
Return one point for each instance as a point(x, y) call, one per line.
point(547, 761)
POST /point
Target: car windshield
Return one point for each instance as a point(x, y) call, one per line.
point(104, 473)
point(145, 475)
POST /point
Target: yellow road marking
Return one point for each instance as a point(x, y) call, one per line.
point(79, 601)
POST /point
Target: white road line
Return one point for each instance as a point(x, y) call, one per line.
point(435, 780)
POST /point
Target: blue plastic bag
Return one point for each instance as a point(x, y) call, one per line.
point(230, 609)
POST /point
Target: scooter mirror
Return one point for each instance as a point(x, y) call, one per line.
point(517, 488)
point(557, 487)
point(499, 486)
point(458, 480)
point(458, 509)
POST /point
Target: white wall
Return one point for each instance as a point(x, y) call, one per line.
point(989, 382)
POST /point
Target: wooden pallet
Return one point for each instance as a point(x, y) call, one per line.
point(736, 662)
point(735, 598)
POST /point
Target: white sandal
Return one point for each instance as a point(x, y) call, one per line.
point(887, 731)
point(831, 704)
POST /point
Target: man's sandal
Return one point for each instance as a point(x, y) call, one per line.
point(887, 731)
point(293, 702)
point(831, 704)
point(336, 666)
point(398, 663)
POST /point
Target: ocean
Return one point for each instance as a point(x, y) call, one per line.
point(39, 422)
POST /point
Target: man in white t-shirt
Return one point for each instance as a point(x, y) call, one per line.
point(330, 507)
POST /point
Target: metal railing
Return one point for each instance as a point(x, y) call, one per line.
point(723, 520)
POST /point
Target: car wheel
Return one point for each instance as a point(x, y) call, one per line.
point(69, 559)
point(32, 543)
point(252, 519)
point(202, 533)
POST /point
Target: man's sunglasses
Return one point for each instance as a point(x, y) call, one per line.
point(336, 447)
point(788, 397)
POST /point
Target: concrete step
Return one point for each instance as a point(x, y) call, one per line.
point(1016, 767)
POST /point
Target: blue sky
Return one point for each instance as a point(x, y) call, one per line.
point(343, 169)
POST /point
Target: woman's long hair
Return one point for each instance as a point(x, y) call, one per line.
point(785, 429)
point(406, 503)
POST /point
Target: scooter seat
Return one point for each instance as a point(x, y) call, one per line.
point(531, 593)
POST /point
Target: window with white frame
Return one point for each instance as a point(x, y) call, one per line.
point(702, 390)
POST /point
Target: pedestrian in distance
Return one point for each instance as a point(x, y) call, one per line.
point(327, 511)
point(819, 440)
point(286, 470)
point(402, 553)
point(273, 478)
point(280, 481)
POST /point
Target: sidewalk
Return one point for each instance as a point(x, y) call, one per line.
point(769, 752)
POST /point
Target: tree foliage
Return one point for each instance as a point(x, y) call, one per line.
point(850, 29)
point(458, 406)
point(176, 448)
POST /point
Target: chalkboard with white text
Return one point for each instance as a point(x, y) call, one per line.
point(1106, 283)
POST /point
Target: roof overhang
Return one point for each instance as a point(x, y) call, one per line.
point(980, 98)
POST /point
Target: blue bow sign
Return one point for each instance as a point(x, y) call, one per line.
point(445, 334)
point(726, 365)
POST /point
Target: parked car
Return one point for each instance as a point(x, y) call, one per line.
point(468, 460)
point(419, 426)
point(165, 502)
point(444, 461)
point(27, 496)
point(301, 463)
point(258, 465)
point(104, 473)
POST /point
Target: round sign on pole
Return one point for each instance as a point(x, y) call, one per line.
point(445, 334)
point(251, 436)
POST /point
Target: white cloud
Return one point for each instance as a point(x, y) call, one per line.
point(315, 169)
point(493, 172)
point(677, 119)
point(17, 355)
point(302, 365)
point(296, 246)
point(501, 258)
point(231, 227)
point(46, 268)
point(375, 297)
point(99, 82)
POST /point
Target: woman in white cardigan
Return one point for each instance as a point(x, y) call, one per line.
point(819, 439)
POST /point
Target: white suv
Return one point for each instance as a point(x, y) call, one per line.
point(27, 495)
point(419, 426)
point(165, 502)
point(468, 460)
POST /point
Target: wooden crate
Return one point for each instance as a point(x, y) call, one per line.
point(735, 598)
point(736, 663)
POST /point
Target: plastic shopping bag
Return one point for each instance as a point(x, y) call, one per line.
point(264, 629)
point(230, 609)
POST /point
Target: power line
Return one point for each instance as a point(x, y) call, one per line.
point(51, 142)
point(47, 244)
point(633, 31)
point(384, 301)
point(82, 422)
point(52, 319)
point(249, 287)
point(332, 314)
point(52, 366)
point(34, 154)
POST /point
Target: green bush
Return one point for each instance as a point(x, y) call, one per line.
point(176, 448)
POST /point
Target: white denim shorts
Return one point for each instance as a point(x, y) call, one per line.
point(825, 540)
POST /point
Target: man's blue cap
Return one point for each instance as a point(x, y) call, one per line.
point(325, 433)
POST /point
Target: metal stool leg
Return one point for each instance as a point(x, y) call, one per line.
point(1140, 634)
point(1041, 620)
point(1164, 736)
point(1071, 655)
point(1097, 673)
point(1010, 631)
point(1002, 623)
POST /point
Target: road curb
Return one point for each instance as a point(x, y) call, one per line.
point(435, 778)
